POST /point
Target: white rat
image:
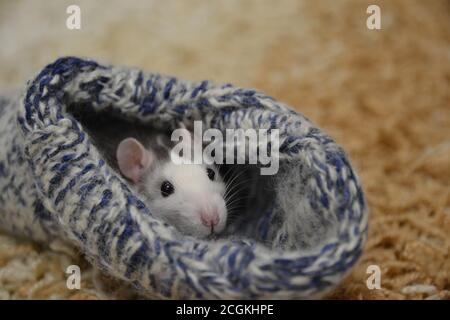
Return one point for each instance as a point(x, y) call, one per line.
point(194, 198)
point(188, 196)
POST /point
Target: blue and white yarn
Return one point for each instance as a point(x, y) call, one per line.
point(55, 184)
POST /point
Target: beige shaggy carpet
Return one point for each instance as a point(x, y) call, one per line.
point(384, 95)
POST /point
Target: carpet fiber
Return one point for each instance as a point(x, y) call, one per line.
point(382, 94)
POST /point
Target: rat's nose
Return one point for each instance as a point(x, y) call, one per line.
point(209, 218)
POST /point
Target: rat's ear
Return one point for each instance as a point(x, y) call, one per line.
point(133, 159)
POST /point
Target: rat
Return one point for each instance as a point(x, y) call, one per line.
point(188, 196)
point(197, 199)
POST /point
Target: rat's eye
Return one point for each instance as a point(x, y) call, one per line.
point(167, 189)
point(211, 174)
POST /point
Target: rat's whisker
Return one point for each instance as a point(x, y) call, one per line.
point(236, 202)
point(233, 178)
point(230, 170)
point(237, 194)
point(231, 184)
point(236, 189)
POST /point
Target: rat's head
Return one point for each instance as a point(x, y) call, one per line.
point(188, 196)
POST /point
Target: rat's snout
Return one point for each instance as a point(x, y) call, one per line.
point(210, 218)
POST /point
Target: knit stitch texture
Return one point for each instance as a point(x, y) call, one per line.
point(55, 184)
